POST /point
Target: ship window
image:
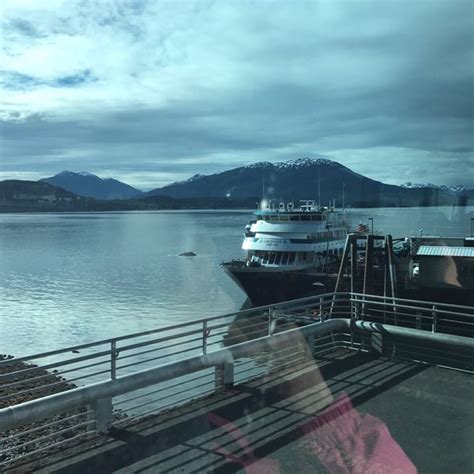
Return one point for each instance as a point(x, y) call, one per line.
point(291, 258)
point(284, 258)
point(305, 217)
point(303, 255)
point(295, 217)
point(284, 217)
point(278, 258)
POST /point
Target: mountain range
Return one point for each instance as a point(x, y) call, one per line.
point(305, 178)
point(89, 185)
point(456, 189)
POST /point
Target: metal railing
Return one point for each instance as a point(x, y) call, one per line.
point(52, 398)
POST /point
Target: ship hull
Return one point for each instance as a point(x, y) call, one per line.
point(267, 287)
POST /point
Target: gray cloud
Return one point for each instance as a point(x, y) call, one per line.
point(384, 87)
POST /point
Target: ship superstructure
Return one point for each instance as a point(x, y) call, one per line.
point(289, 250)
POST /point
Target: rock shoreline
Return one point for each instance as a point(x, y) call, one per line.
point(28, 386)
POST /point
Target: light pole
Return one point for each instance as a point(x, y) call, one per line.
point(371, 219)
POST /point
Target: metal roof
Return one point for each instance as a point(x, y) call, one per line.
point(439, 251)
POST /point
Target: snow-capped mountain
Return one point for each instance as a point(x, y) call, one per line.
point(87, 184)
point(307, 162)
point(294, 164)
point(303, 178)
point(456, 189)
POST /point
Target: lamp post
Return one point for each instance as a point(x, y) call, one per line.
point(371, 219)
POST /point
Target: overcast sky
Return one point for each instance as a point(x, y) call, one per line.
point(151, 92)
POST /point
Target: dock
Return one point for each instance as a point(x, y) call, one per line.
point(251, 391)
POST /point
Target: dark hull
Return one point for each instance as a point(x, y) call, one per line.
point(267, 287)
point(458, 296)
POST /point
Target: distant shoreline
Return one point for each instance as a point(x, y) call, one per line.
point(204, 209)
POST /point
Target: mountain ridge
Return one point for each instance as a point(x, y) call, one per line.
point(87, 184)
point(305, 178)
point(456, 188)
point(317, 178)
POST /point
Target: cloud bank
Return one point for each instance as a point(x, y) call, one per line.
point(152, 92)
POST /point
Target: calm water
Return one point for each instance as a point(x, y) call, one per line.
point(72, 278)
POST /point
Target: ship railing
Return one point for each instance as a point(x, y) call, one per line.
point(56, 397)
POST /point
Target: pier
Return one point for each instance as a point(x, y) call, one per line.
point(244, 389)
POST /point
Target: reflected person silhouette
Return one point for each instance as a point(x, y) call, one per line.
point(332, 435)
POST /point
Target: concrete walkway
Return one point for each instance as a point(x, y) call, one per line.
point(428, 411)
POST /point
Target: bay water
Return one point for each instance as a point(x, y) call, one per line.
point(67, 279)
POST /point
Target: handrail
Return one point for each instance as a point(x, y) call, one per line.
point(429, 307)
point(243, 312)
point(35, 410)
point(292, 304)
point(406, 300)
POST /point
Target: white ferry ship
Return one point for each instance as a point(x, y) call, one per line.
point(290, 251)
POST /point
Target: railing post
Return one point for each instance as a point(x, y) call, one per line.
point(228, 374)
point(357, 310)
point(434, 326)
point(395, 312)
point(113, 359)
point(91, 418)
point(103, 414)
point(310, 343)
point(271, 321)
point(205, 333)
point(224, 375)
point(376, 342)
point(218, 377)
